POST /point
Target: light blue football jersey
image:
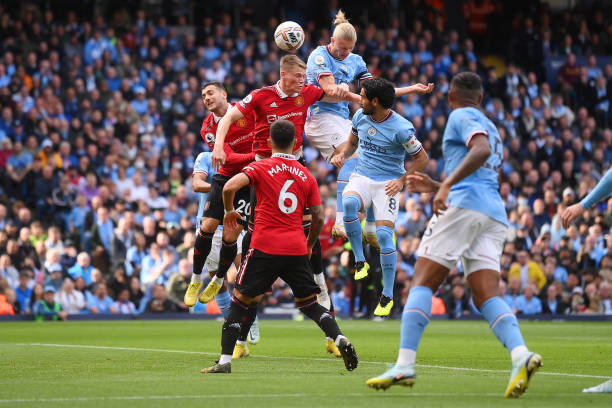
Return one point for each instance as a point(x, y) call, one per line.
point(480, 190)
point(344, 71)
point(383, 145)
point(203, 164)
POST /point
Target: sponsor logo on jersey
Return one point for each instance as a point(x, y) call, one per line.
point(299, 100)
point(372, 131)
point(271, 118)
point(371, 147)
point(343, 67)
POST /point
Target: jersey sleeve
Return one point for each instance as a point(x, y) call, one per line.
point(466, 125)
point(247, 105)
point(355, 122)
point(312, 94)
point(203, 164)
point(362, 70)
point(252, 171)
point(406, 136)
point(317, 66)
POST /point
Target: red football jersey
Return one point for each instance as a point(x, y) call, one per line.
point(238, 144)
point(284, 188)
point(269, 104)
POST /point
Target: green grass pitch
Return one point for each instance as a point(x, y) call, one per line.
point(157, 364)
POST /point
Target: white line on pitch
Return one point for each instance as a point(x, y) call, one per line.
point(480, 370)
point(227, 396)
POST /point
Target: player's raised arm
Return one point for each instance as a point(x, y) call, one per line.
point(234, 184)
point(416, 88)
point(479, 152)
point(218, 154)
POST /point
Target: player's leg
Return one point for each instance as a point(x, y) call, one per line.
point(427, 278)
point(481, 264)
point(357, 196)
point(369, 230)
point(433, 263)
point(316, 262)
point(201, 250)
point(253, 279)
point(339, 229)
point(385, 210)
point(296, 272)
point(226, 248)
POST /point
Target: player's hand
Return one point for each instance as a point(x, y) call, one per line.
point(394, 186)
point(342, 91)
point(338, 160)
point(439, 201)
point(420, 183)
point(571, 213)
point(422, 88)
point(217, 157)
point(230, 220)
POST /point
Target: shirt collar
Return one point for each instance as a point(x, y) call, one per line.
point(216, 118)
point(284, 156)
point(282, 94)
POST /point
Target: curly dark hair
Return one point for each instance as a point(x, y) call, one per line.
point(382, 89)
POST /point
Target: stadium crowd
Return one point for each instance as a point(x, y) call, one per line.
point(99, 130)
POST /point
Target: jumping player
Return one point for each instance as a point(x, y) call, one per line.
point(284, 189)
point(381, 138)
point(328, 124)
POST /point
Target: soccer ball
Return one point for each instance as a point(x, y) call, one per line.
point(289, 36)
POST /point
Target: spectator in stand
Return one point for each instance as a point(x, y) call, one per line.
point(47, 308)
point(527, 271)
point(160, 303)
point(528, 303)
point(71, 300)
point(100, 302)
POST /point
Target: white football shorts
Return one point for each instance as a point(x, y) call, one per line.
point(326, 131)
point(470, 235)
point(372, 193)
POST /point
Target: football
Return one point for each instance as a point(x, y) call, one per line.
point(289, 36)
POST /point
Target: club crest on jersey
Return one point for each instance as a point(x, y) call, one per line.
point(299, 100)
point(372, 131)
point(241, 122)
point(319, 60)
point(210, 138)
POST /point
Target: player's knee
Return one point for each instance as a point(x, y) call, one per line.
point(384, 235)
point(351, 204)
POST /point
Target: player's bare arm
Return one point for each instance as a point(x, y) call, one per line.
point(416, 89)
point(199, 182)
point(316, 225)
point(478, 154)
point(234, 184)
point(345, 150)
point(418, 164)
point(218, 154)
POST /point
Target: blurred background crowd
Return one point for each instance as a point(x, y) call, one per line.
point(99, 129)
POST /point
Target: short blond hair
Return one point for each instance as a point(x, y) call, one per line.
point(343, 29)
point(289, 61)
